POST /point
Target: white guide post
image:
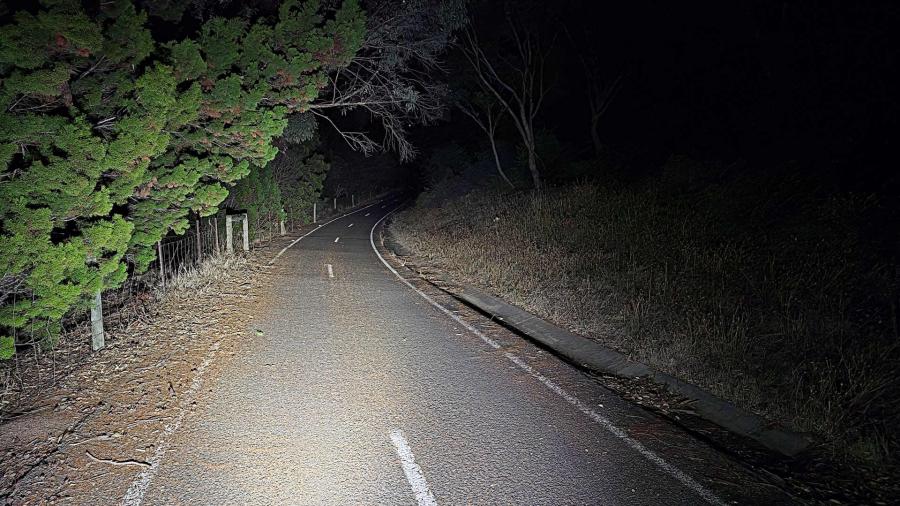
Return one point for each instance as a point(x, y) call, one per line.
point(215, 225)
point(245, 232)
point(229, 235)
point(98, 340)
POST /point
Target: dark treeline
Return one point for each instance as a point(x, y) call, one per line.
point(765, 82)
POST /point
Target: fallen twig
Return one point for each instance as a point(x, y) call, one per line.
point(127, 462)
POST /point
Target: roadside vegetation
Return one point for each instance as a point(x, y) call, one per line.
point(127, 122)
point(766, 291)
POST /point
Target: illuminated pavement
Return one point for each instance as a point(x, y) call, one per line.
point(358, 391)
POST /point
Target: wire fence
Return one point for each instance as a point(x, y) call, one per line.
point(330, 207)
point(45, 349)
point(43, 353)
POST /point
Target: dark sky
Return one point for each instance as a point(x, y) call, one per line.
point(764, 81)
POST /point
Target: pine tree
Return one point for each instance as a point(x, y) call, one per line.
point(74, 137)
point(246, 79)
point(110, 140)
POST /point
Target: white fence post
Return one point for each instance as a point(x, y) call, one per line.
point(98, 340)
point(199, 242)
point(162, 267)
point(229, 236)
point(314, 212)
point(215, 225)
point(245, 232)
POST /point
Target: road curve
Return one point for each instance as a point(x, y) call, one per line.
point(359, 389)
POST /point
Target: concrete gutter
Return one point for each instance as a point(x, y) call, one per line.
point(593, 356)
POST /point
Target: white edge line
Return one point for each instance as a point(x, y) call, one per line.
point(412, 470)
point(135, 494)
point(295, 241)
point(490, 342)
point(604, 422)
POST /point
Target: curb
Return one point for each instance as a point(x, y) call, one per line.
point(591, 355)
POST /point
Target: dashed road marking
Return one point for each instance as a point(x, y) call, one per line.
point(350, 225)
point(336, 239)
point(412, 470)
point(330, 270)
point(368, 214)
point(295, 241)
point(605, 423)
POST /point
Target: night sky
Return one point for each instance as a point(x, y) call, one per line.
point(764, 82)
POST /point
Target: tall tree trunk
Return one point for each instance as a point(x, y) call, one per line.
point(595, 135)
point(497, 161)
point(532, 167)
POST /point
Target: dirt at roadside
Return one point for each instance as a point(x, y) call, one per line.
point(84, 439)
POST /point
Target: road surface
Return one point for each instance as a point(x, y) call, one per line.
point(356, 389)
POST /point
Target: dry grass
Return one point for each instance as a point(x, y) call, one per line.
point(24, 377)
point(200, 278)
point(775, 305)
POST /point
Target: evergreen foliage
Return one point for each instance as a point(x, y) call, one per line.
point(300, 172)
point(260, 195)
point(110, 139)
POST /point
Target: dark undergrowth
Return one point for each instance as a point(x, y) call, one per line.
point(764, 291)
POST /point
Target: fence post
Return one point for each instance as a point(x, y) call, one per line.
point(281, 226)
point(335, 203)
point(162, 267)
point(215, 225)
point(229, 247)
point(353, 200)
point(199, 247)
point(245, 231)
point(98, 340)
point(314, 212)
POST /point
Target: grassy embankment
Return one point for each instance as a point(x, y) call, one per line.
point(773, 301)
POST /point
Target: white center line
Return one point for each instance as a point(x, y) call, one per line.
point(412, 470)
point(295, 241)
point(336, 239)
point(330, 271)
point(350, 225)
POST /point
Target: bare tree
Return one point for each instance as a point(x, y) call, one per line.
point(485, 112)
point(601, 90)
point(600, 95)
point(517, 82)
point(395, 74)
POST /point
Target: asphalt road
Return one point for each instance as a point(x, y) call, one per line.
point(356, 389)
